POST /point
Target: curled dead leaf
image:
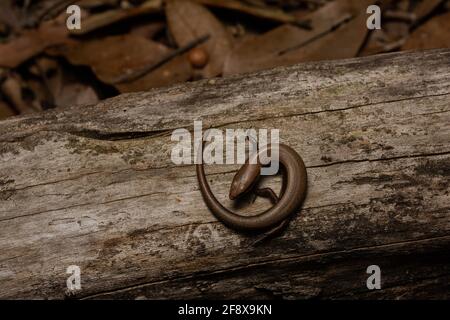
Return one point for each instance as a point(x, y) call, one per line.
point(431, 35)
point(31, 43)
point(188, 21)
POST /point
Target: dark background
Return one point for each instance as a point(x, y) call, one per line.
point(128, 46)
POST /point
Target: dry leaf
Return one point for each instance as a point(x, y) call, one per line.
point(31, 43)
point(148, 30)
point(8, 15)
point(76, 94)
point(431, 35)
point(175, 71)
point(261, 52)
point(97, 3)
point(425, 7)
point(398, 30)
point(376, 43)
point(109, 17)
point(56, 86)
point(41, 94)
point(393, 33)
point(189, 21)
point(266, 12)
point(115, 55)
point(12, 89)
point(5, 110)
point(345, 42)
point(66, 90)
point(111, 58)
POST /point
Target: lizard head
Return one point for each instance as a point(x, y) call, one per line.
point(244, 180)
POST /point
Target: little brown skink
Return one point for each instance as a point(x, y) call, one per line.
point(291, 196)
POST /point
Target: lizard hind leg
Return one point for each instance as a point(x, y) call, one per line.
point(272, 196)
point(267, 193)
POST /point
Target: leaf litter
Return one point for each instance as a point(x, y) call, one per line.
point(136, 45)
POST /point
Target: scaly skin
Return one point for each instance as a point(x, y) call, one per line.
point(294, 190)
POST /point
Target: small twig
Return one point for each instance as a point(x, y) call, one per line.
point(400, 15)
point(388, 47)
point(147, 69)
point(304, 24)
point(344, 20)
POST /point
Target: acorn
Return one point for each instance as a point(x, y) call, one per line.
point(198, 57)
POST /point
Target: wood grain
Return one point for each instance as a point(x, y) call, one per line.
point(95, 187)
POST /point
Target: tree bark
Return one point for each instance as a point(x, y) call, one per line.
point(95, 187)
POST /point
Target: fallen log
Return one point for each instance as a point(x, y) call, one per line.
point(95, 187)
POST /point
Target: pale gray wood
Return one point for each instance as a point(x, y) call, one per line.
point(95, 187)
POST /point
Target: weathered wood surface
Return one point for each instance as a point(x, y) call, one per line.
point(96, 188)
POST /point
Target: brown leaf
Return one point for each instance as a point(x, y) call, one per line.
point(148, 30)
point(394, 31)
point(109, 17)
point(266, 12)
point(41, 93)
point(67, 90)
point(343, 43)
point(189, 21)
point(8, 15)
point(376, 43)
point(5, 110)
point(431, 35)
point(425, 7)
point(31, 43)
point(176, 70)
point(76, 94)
point(57, 86)
point(111, 58)
point(97, 3)
point(265, 51)
point(12, 89)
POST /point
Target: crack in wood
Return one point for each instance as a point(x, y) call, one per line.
point(445, 238)
point(374, 132)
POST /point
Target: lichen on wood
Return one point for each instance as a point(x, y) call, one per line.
point(95, 187)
